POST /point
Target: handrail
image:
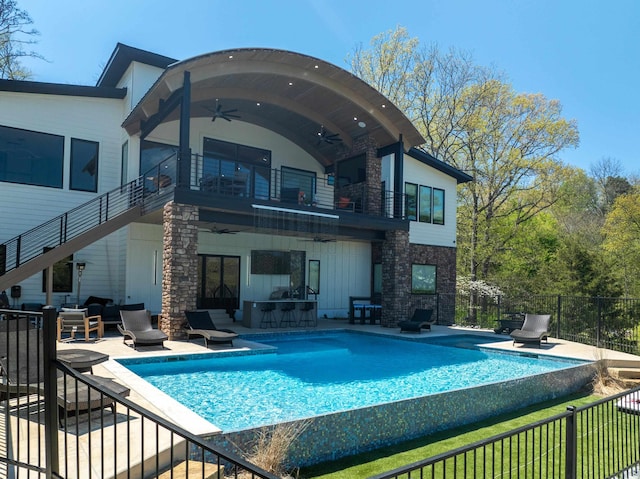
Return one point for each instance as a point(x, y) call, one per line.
point(140, 192)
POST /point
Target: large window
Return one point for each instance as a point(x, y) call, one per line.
point(298, 186)
point(153, 153)
point(245, 168)
point(84, 165)
point(423, 279)
point(30, 157)
point(352, 170)
point(424, 204)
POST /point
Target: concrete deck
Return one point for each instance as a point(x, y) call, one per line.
point(150, 398)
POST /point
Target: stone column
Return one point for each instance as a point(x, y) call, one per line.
point(396, 277)
point(179, 267)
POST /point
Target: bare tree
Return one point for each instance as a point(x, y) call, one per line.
point(16, 36)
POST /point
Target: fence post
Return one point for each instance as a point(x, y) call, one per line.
point(571, 439)
point(599, 325)
point(50, 391)
point(558, 313)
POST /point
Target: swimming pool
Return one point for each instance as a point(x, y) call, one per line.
point(308, 375)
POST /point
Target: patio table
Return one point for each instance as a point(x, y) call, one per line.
point(82, 360)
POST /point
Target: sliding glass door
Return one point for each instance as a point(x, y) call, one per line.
point(218, 282)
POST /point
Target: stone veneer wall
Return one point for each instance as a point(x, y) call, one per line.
point(400, 274)
point(396, 277)
point(179, 267)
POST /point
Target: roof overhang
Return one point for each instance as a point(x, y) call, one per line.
point(291, 94)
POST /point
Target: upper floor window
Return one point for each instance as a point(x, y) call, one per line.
point(352, 170)
point(30, 157)
point(424, 204)
point(84, 165)
point(124, 163)
point(153, 153)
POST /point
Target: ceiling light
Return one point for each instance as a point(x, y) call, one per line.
point(384, 106)
point(362, 124)
point(290, 83)
point(258, 104)
point(230, 57)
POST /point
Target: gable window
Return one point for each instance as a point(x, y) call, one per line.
point(30, 157)
point(423, 279)
point(424, 204)
point(84, 165)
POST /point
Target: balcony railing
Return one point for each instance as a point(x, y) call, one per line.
point(298, 188)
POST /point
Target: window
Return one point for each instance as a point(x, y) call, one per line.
point(124, 163)
point(30, 157)
point(152, 154)
point(224, 159)
point(84, 165)
point(62, 276)
point(438, 206)
point(298, 186)
point(314, 276)
point(423, 279)
point(352, 170)
point(424, 204)
point(411, 201)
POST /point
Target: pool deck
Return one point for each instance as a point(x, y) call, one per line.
point(152, 399)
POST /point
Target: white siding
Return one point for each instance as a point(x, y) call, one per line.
point(426, 233)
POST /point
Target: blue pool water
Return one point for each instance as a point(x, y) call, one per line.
point(314, 374)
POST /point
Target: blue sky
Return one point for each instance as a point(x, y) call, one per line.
point(583, 53)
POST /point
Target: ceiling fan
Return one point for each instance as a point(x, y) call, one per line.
point(218, 112)
point(325, 137)
point(318, 239)
point(220, 231)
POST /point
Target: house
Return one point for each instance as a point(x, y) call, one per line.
point(231, 177)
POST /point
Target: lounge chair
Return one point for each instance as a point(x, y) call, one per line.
point(136, 326)
point(200, 324)
point(420, 320)
point(534, 329)
point(74, 321)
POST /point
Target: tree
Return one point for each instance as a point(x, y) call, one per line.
point(15, 37)
point(509, 142)
point(607, 174)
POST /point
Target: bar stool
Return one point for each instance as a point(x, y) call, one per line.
point(306, 316)
point(268, 319)
point(288, 315)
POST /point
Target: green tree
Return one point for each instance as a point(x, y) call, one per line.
point(16, 36)
point(475, 121)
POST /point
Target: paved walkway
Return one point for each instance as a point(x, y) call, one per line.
point(157, 402)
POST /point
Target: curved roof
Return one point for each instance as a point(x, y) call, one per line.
point(291, 94)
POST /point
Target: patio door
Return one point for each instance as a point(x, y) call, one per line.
point(218, 282)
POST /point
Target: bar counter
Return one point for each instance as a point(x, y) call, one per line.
point(252, 314)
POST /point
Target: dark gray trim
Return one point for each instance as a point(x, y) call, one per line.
point(20, 86)
point(429, 160)
point(122, 57)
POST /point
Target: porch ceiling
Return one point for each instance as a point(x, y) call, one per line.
point(291, 94)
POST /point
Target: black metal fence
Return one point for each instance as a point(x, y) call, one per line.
point(612, 323)
point(601, 440)
point(57, 422)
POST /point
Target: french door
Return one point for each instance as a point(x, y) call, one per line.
point(218, 282)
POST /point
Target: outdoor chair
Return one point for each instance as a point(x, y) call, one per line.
point(136, 326)
point(534, 329)
point(22, 370)
point(200, 324)
point(420, 320)
point(74, 321)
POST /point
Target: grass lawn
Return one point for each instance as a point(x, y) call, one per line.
point(385, 459)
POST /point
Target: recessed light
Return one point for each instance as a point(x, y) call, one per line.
point(362, 124)
point(316, 67)
point(384, 106)
point(355, 118)
point(258, 104)
point(290, 83)
point(230, 57)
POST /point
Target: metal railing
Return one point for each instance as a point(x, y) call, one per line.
point(59, 423)
point(595, 441)
point(612, 323)
point(298, 188)
point(148, 190)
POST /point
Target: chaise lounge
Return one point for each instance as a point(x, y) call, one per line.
point(136, 326)
point(200, 324)
point(534, 329)
point(420, 320)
